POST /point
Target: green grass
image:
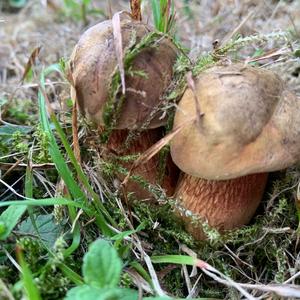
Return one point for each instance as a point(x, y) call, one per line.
point(163, 15)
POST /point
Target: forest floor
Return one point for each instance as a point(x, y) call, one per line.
point(262, 259)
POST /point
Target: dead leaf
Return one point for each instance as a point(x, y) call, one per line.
point(31, 61)
point(268, 55)
point(118, 47)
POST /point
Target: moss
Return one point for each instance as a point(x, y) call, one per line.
point(42, 156)
point(52, 284)
point(126, 281)
point(174, 282)
point(33, 252)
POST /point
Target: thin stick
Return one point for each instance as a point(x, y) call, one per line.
point(136, 12)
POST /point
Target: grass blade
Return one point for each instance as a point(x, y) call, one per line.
point(175, 259)
point(63, 169)
point(44, 202)
point(9, 219)
point(156, 13)
point(27, 278)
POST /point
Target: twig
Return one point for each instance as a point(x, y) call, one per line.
point(187, 279)
point(195, 290)
point(293, 277)
point(12, 167)
point(237, 258)
point(14, 191)
point(20, 166)
point(7, 294)
point(209, 270)
point(271, 201)
point(76, 146)
point(153, 274)
point(12, 260)
point(281, 290)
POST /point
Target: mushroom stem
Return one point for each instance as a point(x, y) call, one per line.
point(225, 204)
point(154, 171)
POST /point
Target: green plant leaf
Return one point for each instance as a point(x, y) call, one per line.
point(168, 298)
point(86, 292)
point(9, 219)
point(46, 227)
point(156, 13)
point(11, 216)
point(17, 3)
point(63, 169)
point(7, 131)
point(27, 278)
point(175, 259)
point(102, 265)
point(43, 202)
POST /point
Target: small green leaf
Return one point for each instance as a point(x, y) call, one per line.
point(17, 3)
point(43, 202)
point(102, 265)
point(48, 230)
point(9, 219)
point(168, 298)
point(86, 292)
point(297, 53)
point(175, 259)
point(7, 132)
point(2, 227)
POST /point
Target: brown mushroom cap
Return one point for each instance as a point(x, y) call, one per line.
point(251, 124)
point(94, 61)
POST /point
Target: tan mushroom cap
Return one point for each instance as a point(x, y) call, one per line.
point(94, 61)
point(251, 124)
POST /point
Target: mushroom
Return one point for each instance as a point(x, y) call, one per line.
point(93, 64)
point(250, 126)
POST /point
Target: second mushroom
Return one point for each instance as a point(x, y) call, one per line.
point(250, 127)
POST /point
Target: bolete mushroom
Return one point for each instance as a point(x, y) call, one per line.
point(250, 126)
point(93, 64)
